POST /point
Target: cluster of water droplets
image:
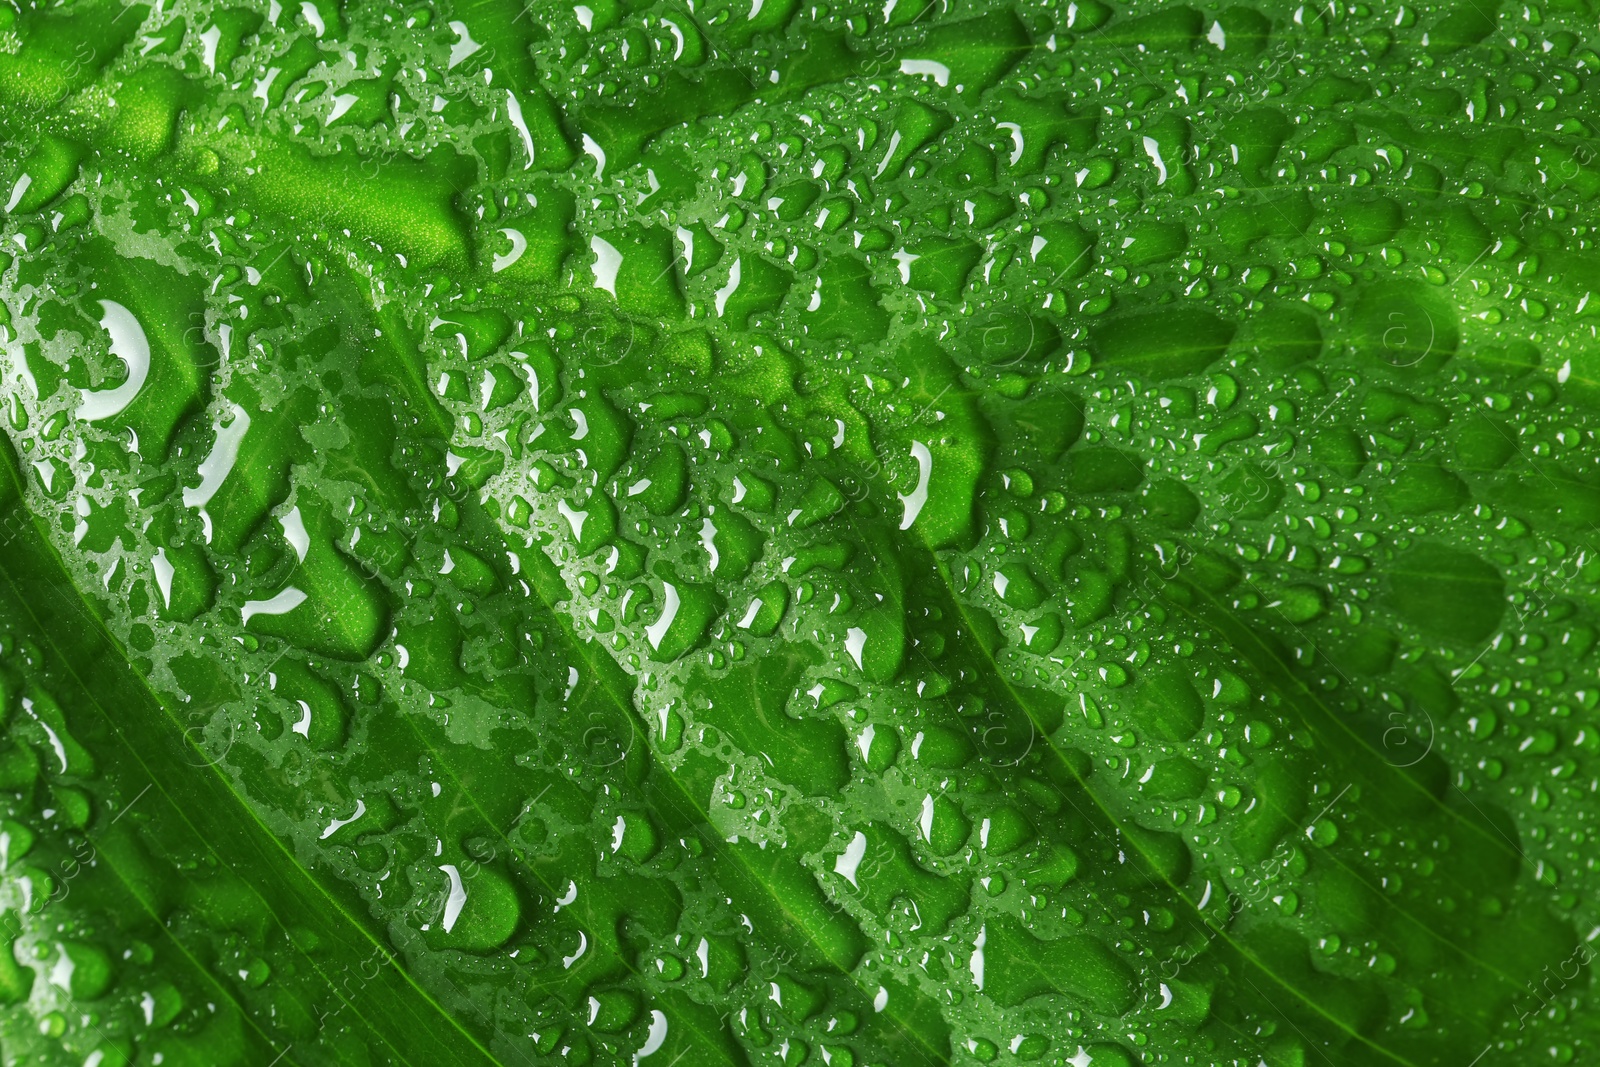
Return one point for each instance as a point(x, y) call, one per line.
point(1053, 533)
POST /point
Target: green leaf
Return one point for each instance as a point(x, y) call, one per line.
point(863, 534)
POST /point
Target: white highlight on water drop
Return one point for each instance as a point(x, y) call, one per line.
point(50, 734)
point(1015, 130)
point(607, 261)
point(281, 604)
point(164, 571)
point(575, 519)
point(18, 190)
point(333, 827)
point(864, 742)
point(464, 45)
point(854, 641)
point(655, 1038)
point(519, 245)
point(514, 112)
point(209, 39)
point(294, 532)
point(129, 344)
point(457, 898)
point(914, 500)
point(848, 863)
point(904, 260)
point(728, 290)
point(894, 143)
point(1153, 149)
point(592, 148)
point(61, 972)
point(669, 611)
point(218, 464)
point(303, 727)
point(927, 68)
point(341, 103)
point(708, 541)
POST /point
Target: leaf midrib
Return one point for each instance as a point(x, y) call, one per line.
point(565, 625)
point(253, 821)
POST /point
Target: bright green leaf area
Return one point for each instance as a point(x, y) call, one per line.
point(862, 534)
